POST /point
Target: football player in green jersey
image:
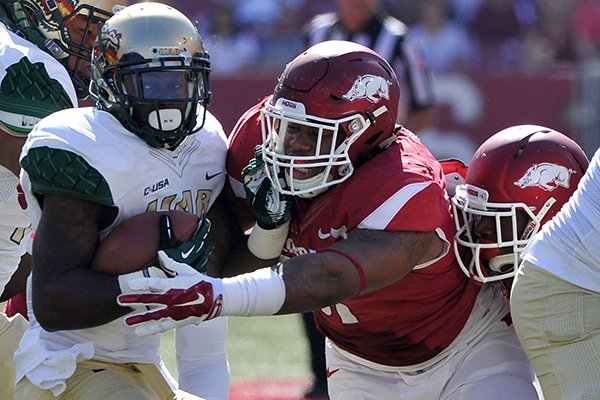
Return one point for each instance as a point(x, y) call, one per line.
point(149, 144)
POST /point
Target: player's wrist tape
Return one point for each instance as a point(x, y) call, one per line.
point(267, 243)
point(259, 293)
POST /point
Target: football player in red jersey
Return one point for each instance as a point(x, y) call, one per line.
point(517, 181)
point(367, 228)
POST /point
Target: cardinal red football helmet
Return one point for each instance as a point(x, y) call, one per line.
point(520, 177)
point(336, 88)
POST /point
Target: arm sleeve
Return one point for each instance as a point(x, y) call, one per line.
point(202, 359)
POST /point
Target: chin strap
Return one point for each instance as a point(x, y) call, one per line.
point(530, 229)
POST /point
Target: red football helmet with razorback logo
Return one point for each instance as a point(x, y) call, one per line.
point(336, 88)
point(518, 179)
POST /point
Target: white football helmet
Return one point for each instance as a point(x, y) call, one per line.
point(150, 70)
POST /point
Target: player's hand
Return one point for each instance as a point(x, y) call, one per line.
point(270, 208)
point(152, 271)
point(194, 252)
point(188, 297)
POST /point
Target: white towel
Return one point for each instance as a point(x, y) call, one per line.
point(48, 369)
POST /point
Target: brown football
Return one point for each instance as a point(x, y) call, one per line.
point(134, 243)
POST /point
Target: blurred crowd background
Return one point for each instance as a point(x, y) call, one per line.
point(495, 63)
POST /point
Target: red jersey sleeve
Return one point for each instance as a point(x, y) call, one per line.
point(246, 134)
point(402, 189)
point(418, 207)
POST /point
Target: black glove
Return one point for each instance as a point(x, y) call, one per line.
point(271, 209)
point(194, 252)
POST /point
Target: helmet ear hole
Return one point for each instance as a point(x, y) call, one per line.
point(364, 157)
point(373, 138)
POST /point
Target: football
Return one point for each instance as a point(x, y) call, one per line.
point(134, 243)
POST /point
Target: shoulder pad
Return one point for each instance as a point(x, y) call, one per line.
point(28, 94)
point(61, 172)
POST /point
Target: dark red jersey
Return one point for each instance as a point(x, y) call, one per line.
point(400, 189)
point(412, 320)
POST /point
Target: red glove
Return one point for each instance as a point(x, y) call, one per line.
point(187, 298)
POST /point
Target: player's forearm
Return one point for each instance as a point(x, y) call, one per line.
point(314, 281)
point(18, 280)
point(297, 285)
point(304, 283)
point(78, 299)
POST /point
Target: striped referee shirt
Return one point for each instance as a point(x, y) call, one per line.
point(388, 37)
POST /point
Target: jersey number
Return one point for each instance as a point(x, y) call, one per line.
point(344, 313)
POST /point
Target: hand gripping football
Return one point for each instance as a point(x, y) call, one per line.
point(134, 243)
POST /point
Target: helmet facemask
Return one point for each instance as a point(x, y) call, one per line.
point(513, 225)
point(74, 43)
point(294, 174)
point(517, 180)
point(159, 100)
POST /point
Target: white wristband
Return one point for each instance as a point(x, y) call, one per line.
point(267, 243)
point(261, 292)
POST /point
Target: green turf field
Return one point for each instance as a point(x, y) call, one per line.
point(259, 347)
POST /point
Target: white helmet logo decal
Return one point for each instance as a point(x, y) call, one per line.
point(548, 176)
point(371, 87)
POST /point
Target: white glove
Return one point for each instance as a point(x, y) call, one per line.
point(187, 297)
point(147, 272)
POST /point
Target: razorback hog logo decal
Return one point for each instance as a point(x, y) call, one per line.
point(371, 87)
point(548, 176)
